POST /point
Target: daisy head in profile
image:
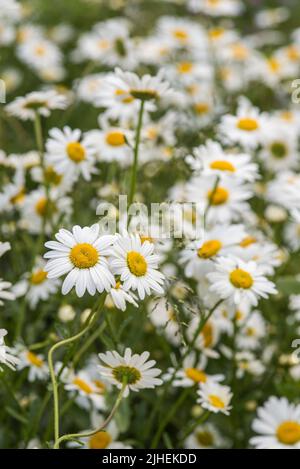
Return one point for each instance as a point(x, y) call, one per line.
point(137, 265)
point(82, 254)
point(277, 424)
point(37, 102)
point(235, 280)
point(133, 371)
point(215, 397)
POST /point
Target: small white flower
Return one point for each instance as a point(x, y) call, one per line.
point(236, 280)
point(38, 368)
point(132, 369)
point(89, 391)
point(137, 265)
point(215, 397)
point(41, 102)
point(7, 355)
point(82, 255)
point(120, 297)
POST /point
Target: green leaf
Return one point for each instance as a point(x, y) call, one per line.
point(288, 285)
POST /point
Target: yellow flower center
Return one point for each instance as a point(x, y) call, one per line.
point(82, 385)
point(131, 374)
point(100, 440)
point(196, 375)
point(136, 263)
point(250, 331)
point(52, 177)
point(185, 67)
point(84, 256)
point(202, 108)
point(248, 124)
point(241, 279)
point(247, 241)
point(43, 206)
point(207, 333)
point(76, 152)
point(19, 197)
point(40, 50)
point(293, 53)
point(239, 51)
point(205, 438)
point(209, 249)
point(34, 359)
point(216, 401)
point(38, 277)
point(100, 385)
point(222, 165)
point(146, 238)
point(125, 97)
point(216, 33)
point(288, 433)
point(218, 196)
point(115, 139)
point(274, 65)
point(180, 34)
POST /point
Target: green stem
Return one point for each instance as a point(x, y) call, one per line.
point(88, 325)
point(169, 417)
point(72, 436)
point(136, 154)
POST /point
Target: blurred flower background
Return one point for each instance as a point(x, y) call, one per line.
point(134, 339)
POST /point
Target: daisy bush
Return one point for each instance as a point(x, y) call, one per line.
point(173, 322)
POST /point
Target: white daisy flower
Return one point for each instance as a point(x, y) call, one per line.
point(39, 53)
point(235, 280)
point(4, 294)
point(137, 265)
point(207, 339)
point(111, 144)
point(252, 331)
point(279, 147)
point(70, 153)
point(245, 127)
point(212, 159)
point(216, 7)
point(178, 33)
point(90, 391)
point(12, 197)
point(204, 437)
point(38, 286)
point(215, 397)
point(82, 255)
point(41, 102)
point(38, 368)
point(278, 425)
point(7, 354)
point(292, 231)
point(162, 315)
point(198, 256)
point(247, 363)
point(133, 369)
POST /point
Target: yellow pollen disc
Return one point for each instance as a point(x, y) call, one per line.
point(146, 238)
point(84, 256)
point(216, 33)
point(250, 331)
point(201, 108)
point(40, 50)
point(205, 438)
point(40, 206)
point(185, 67)
point(75, 152)
point(247, 241)
point(219, 196)
point(222, 165)
point(118, 285)
point(19, 197)
point(125, 97)
point(100, 440)
point(288, 433)
point(180, 34)
point(52, 177)
point(207, 333)
point(38, 277)
point(239, 315)
point(34, 359)
point(82, 385)
point(241, 279)
point(239, 51)
point(103, 44)
point(248, 124)
point(196, 375)
point(100, 385)
point(274, 65)
point(115, 139)
point(293, 53)
point(209, 249)
point(216, 401)
point(287, 116)
point(136, 263)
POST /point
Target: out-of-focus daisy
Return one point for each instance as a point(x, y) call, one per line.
point(204, 437)
point(277, 424)
point(207, 338)
point(4, 293)
point(245, 127)
point(7, 355)
point(111, 144)
point(215, 397)
point(252, 331)
point(248, 363)
point(69, 152)
point(41, 102)
point(236, 280)
point(132, 369)
point(162, 315)
point(90, 391)
point(82, 255)
point(212, 159)
point(137, 265)
point(39, 53)
point(216, 7)
point(292, 231)
point(38, 369)
point(38, 286)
